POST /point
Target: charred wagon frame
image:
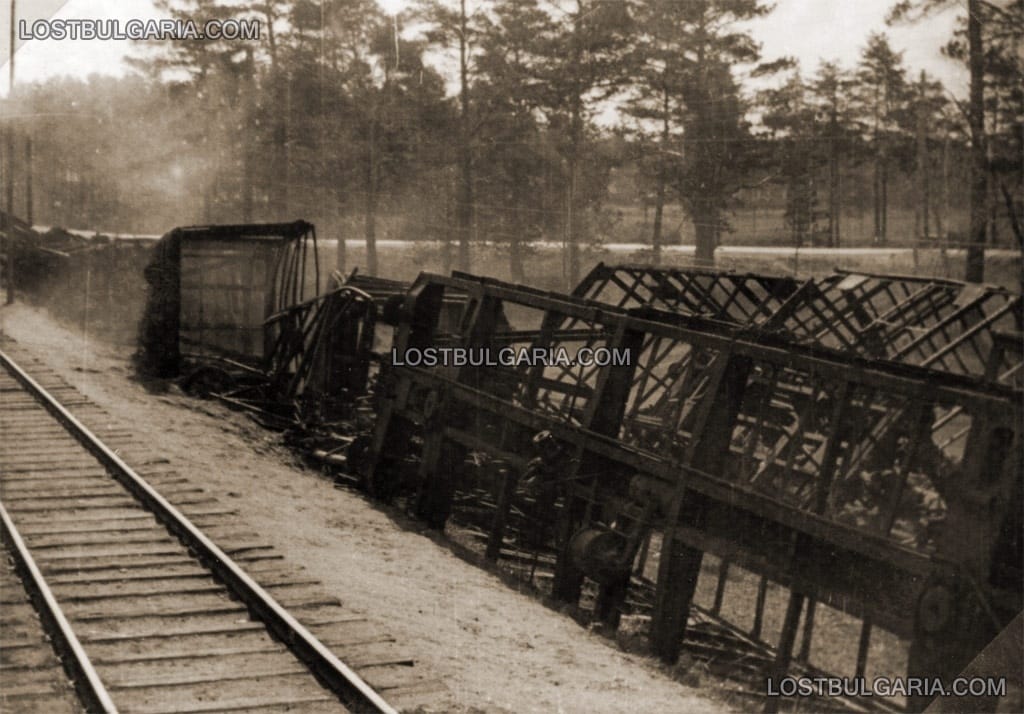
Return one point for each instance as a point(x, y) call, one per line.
point(854, 438)
point(758, 419)
point(238, 310)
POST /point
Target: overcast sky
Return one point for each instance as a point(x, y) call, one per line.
point(811, 30)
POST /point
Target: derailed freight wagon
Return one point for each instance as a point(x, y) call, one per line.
point(856, 439)
point(236, 310)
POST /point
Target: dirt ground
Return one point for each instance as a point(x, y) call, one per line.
point(500, 651)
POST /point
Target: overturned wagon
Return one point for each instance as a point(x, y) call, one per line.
point(856, 439)
point(236, 310)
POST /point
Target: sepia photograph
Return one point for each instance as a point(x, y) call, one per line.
point(512, 356)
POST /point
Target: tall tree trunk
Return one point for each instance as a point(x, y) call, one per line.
point(1015, 225)
point(246, 184)
point(341, 256)
point(464, 206)
point(659, 201)
point(248, 93)
point(11, 171)
point(515, 246)
point(29, 213)
point(942, 224)
point(659, 210)
point(705, 211)
point(371, 197)
point(517, 228)
point(810, 202)
point(284, 193)
point(833, 176)
point(992, 198)
point(839, 206)
point(922, 161)
point(326, 207)
point(705, 221)
point(975, 268)
point(10, 167)
point(571, 229)
point(876, 193)
point(575, 145)
point(446, 238)
point(883, 198)
point(278, 191)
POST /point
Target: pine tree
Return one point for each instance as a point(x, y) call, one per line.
point(215, 77)
point(460, 28)
point(882, 98)
point(716, 152)
point(988, 41)
point(928, 106)
point(519, 161)
point(573, 57)
point(830, 88)
point(790, 115)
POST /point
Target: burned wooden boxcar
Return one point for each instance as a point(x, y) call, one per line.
point(212, 287)
point(237, 312)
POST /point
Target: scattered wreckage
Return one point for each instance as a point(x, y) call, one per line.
point(854, 438)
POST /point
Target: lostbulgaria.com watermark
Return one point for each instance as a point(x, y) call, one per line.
point(511, 357)
point(886, 687)
point(136, 29)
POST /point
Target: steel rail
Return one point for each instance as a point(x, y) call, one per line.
point(350, 688)
point(88, 685)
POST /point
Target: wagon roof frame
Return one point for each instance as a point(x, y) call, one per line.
point(275, 232)
point(748, 340)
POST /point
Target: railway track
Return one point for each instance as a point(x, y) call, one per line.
point(33, 680)
point(146, 611)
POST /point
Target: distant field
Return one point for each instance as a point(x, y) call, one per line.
point(752, 247)
point(113, 303)
point(544, 266)
point(767, 226)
